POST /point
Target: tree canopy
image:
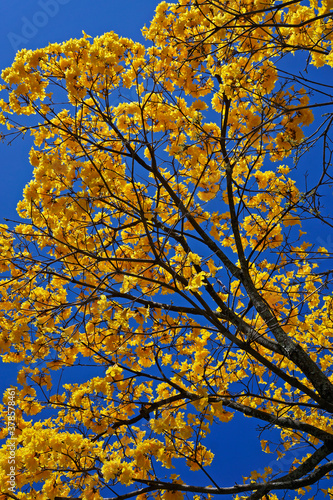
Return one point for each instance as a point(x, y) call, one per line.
point(167, 249)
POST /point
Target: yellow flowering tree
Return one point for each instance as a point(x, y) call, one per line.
point(162, 245)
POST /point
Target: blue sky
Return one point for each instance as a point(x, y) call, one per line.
point(33, 24)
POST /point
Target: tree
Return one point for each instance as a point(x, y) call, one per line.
point(163, 249)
